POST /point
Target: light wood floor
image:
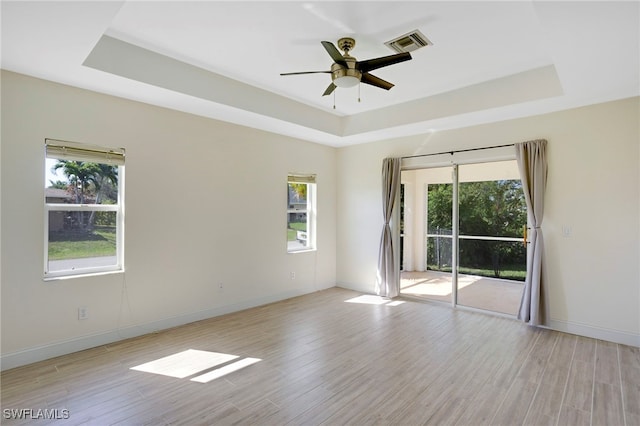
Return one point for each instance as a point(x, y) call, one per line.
point(326, 361)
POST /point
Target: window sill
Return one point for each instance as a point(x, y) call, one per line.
point(301, 251)
point(80, 275)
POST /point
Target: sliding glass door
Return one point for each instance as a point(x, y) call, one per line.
point(474, 218)
point(427, 233)
point(492, 252)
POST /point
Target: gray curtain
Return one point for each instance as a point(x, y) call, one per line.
point(532, 163)
point(387, 283)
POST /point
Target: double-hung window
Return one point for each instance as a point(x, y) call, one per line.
point(84, 214)
point(301, 212)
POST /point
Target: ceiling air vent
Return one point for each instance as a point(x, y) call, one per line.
point(409, 42)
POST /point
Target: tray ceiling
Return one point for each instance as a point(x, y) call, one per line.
point(489, 60)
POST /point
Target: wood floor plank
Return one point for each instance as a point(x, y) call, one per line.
point(578, 396)
point(630, 376)
point(294, 405)
point(607, 390)
point(607, 405)
point(324, 360)
point(515, 405)
point(546, 404)
point(321, 412)
point(574, 416)
point(489, 385)
point(607, 367)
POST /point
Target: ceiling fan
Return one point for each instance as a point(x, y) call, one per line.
point(346, 71)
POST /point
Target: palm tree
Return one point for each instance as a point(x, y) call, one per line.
point(79, 174)
point(104, 179)
point(298, 192)
point(59, 184)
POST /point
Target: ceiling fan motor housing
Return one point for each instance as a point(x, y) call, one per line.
point(345, 77)
point(346, 44)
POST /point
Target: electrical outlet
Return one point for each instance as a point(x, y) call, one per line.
point(292, 275)
point(83, 313)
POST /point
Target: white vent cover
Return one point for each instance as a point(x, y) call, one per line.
point(409, 42)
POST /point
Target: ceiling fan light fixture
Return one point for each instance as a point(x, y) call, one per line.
point(346, 81)
point(345, 77)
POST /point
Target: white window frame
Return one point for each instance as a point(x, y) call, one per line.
point(310, 209)
point(65, 150)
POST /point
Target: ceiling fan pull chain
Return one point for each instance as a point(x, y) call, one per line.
point(334, 99)
point(359, 84)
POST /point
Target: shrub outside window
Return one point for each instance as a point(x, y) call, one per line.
point(84, 215)
point(301, 212)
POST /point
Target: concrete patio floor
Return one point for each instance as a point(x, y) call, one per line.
point(492, 294)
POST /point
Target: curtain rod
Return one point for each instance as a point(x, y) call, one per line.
point(459, 150)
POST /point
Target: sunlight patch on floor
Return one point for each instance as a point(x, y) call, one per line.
point(369, 299)
point(227, 369)
point(185, 364)
point(437, 286)
point(190, 362)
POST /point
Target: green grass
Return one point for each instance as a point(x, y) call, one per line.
point(99, 242)
point(293, 228)
point(509, 273)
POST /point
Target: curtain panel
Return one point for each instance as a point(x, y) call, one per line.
point(387, 280)
point(532, 163)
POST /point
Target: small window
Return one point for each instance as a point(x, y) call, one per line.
point(301, 212)
point(84, 219)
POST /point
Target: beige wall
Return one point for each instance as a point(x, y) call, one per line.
point(205, 204)
point(593, 275)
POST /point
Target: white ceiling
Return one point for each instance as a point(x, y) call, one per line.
point(489, 60)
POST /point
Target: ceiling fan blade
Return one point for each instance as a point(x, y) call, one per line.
point(373, 64)
point(334, 53)
point(330, 89)
point(306, 72)
point(375, 81)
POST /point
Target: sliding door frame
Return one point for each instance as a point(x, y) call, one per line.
point(455, 233)
point(453, 160)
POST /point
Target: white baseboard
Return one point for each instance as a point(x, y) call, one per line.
point(615, 336)
point(40, 353)
point(367, 289)
point(586, 330)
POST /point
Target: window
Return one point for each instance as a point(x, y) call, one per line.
point(301, 212)
point(84, 216)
